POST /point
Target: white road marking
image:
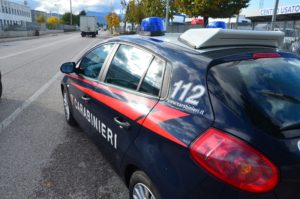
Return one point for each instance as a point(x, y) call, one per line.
point(33, 49)
point(7, 121)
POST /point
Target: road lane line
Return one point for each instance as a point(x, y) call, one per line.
point(7, 121)
point(33, 49)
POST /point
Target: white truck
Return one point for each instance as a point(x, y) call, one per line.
point(88, 26)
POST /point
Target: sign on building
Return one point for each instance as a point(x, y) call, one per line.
point(281, 10)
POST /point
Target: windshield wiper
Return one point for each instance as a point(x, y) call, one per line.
point(280, 96)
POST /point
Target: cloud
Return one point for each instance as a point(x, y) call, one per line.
point(62, 6)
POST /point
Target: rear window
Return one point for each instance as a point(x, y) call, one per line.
point(268, 89)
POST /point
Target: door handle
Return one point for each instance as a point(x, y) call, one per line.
point(85, 98)
point(122, 124)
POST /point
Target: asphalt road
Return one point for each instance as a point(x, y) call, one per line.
point(40, 155)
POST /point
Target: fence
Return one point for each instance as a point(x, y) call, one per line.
point(29, 26)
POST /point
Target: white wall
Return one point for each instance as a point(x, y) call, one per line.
point(13, 34)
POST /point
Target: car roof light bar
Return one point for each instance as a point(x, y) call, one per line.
point(216, 37)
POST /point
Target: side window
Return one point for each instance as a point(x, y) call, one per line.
point(128, 66)
point(91, 64)
point(153, 79)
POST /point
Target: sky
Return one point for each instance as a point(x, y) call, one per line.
point(62, 6)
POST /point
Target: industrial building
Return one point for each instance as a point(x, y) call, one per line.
point(12, 13)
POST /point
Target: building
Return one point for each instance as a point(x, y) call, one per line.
point(288, 18)
point(14, 14)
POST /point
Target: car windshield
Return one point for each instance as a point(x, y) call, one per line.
point(270, 85)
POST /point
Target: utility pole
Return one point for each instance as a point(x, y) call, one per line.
point(167, 14)
point(71, 14)
point(124, 6)
point(237, 20)
point(274, 14)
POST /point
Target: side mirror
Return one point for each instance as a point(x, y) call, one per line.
point(68, 67)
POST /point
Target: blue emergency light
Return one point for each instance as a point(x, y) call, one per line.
point(152, 26)
point(217, 24)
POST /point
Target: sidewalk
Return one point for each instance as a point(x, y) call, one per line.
point(10, 39)
point(3, 40)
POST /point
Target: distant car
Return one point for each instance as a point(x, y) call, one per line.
point(210, 113)
point(0, 86)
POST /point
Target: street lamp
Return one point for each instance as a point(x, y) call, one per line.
point(71, 12)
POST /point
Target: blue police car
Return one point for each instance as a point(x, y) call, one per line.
point(210, 113)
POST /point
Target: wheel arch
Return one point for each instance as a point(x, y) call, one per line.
point(129, 170)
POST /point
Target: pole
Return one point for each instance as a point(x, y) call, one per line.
point(167, 14)
point(274, 14)
point(71, 13)
point(237, 20)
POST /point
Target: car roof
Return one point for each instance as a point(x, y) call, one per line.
point(170, 44)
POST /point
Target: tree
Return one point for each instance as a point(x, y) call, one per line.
point(40, 19)
point(153, 8)
point(82, 13)
point(134, 12)
point(211, 8)
point(131, 13)
point(112, 20)
point(52, 22)
point(66, 18)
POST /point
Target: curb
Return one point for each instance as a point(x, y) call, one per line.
point(3, 40)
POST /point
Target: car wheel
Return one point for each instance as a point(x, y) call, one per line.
point(68, 111)
point(141, 187)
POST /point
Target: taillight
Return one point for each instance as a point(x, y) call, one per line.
point(234, 162)
point(265, 55)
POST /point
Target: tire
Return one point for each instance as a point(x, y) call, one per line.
point(68, 110)
point(141, 184)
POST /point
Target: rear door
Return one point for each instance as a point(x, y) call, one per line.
point(128, 91)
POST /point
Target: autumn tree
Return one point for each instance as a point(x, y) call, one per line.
point(112, 20)
point(209, 8)
point(52, 22)
point(40, 19)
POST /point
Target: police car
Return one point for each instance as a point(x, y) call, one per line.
point(210, 113)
